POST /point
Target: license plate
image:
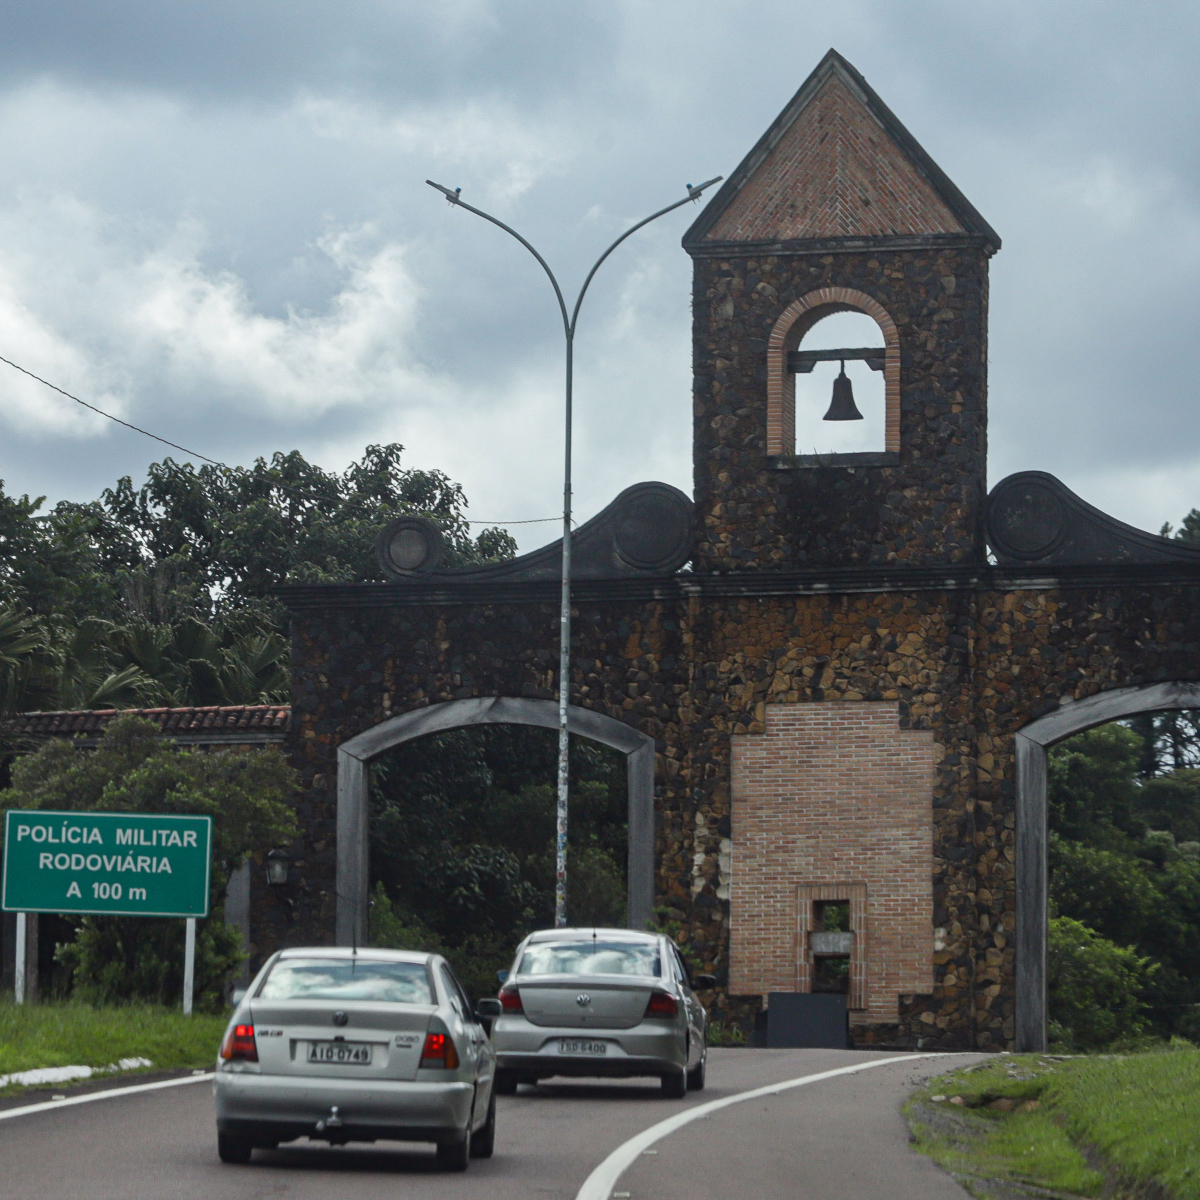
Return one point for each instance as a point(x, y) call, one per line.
point(578, 1046)
point(357, 1053)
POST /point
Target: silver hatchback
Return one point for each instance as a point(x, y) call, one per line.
point(355, 1046)
point(607, 1002)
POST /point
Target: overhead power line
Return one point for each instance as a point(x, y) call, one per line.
point(196, 453)
point(93, 408)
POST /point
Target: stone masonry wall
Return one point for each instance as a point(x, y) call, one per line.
point(696, 673)
point(759, 512)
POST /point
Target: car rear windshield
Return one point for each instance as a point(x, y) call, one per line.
point(590, 958)
point(347, 979)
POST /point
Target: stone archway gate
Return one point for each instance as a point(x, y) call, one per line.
point(840, 682)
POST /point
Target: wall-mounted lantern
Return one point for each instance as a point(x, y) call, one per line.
point(277, 867)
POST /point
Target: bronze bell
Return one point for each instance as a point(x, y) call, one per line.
point(842, 406)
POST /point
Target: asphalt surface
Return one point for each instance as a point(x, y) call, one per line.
point(840, 1137)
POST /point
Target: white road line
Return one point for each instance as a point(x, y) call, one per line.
point(600, 1183)
point(110, 1094)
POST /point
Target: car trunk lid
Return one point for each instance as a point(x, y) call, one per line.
point(585, 1003)
point(285, 1030)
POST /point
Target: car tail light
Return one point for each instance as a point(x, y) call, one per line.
point(661, 1004)
point(439, 1051)
point(240, 1043)
point(510, 1000)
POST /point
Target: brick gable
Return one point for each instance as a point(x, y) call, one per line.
point(835, 172)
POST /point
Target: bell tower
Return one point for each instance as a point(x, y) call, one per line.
point(838, 209)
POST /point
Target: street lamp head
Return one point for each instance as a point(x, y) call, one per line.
point(451, 196)
point(694, 193)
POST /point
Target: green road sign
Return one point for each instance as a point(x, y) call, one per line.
point(115, 863)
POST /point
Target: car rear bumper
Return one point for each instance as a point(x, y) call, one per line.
point(544, 1065)
point(276, 1108)
point(647, 1049)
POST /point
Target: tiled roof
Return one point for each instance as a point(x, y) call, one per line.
point(834, 173)
point(836, 164)
point(254, 722)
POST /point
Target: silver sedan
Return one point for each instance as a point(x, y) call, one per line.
point(355, 1046)
point(608, 1002)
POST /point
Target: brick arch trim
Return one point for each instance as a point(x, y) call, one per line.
point(353, 786)
point(1032, 743)
point(794, 322)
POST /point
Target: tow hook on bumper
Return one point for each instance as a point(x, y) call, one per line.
point(333, 1121)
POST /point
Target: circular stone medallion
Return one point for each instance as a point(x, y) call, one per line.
point(1027, 519)
point(410, 546)
point(654, 529)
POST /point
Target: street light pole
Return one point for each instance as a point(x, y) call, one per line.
point(564, 619)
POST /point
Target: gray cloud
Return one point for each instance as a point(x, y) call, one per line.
point(213, 219)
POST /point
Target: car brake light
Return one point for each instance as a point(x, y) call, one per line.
point(661, 1004)
point(510, 1000)
point(240, 1043)
point(439, 1051)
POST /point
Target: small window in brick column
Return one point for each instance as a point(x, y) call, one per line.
point(832, 940)
point(832, 943)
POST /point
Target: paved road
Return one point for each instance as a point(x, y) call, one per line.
point(839, 1137)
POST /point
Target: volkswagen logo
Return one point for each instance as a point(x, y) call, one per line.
point(583, 999)
point(340, 1018)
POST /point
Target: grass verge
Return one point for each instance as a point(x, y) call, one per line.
point(1029, 1125)
point(62, 1035)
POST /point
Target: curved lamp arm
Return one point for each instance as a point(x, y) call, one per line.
point(453, 197)
point(569, 323)
point(694, 193)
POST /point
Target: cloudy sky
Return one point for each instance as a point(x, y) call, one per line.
point(214, 223)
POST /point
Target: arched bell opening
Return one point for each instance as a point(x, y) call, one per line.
point(829, 347)
point(839, 387)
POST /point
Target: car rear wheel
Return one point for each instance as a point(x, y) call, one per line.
point(675, 1085)
point(506, 1082)
point(695, 1077)
point(232, 1149)
point(454, 1156)
point(484, 1142)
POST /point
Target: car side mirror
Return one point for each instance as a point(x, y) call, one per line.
point(703, 982)
point(502, 976)
point(488, 1009)
point(239, 994)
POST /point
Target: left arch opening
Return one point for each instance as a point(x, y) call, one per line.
point(354, 758)
point(462, 832)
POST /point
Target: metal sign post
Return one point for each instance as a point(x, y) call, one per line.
point(189, 965)
point(19, 965)
point(107, 864)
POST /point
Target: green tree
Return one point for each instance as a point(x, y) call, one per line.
point(203, 541)
point(1092, 788)
point(1172, 802)
point(134, 769)
point(1094, 987)
point(211, 540)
